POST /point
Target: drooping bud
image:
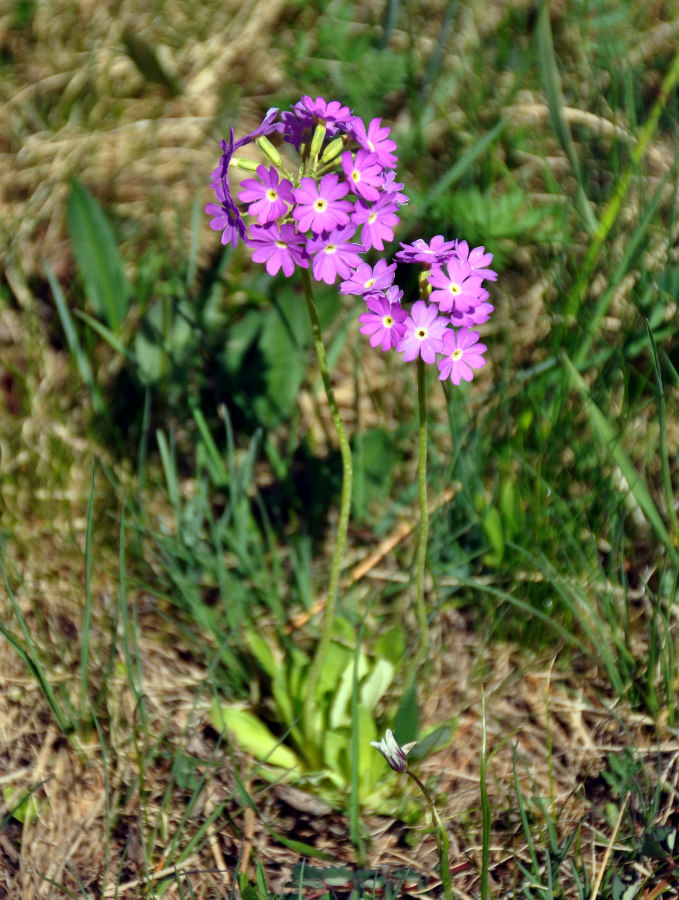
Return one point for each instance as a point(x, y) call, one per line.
point(395, 755)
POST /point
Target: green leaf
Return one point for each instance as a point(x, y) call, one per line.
point(282, 360)
point(391, 645)
point(97, 258)
point(74, 343)
point(252, 735)
point(26, 808)
point(376, 683)
point(262, 653)
point(658, 843)
point(622, 891)
point(407, 721)
point(494, 532)
point(163, 340)
point(339, 712)
point(437, 739)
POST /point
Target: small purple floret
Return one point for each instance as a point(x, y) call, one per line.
point(280, 247)
point(463, 354)
point(333, 254)
point(269, 197)
point(319, 206)
point(424, 330)
point(384, 322)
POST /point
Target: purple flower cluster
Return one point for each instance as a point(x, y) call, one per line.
point(346, 189)
point(453, 285)
point(343, 202)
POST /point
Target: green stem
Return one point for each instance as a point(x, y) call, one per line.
point(421, 609)
point(309, 706)
point(442, 839)
point(485, 804)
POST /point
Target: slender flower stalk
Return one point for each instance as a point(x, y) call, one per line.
point(420, 607)
point(309, 725)
point(397, 757)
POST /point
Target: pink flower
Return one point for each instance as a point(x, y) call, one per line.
point(226, 216)
point(364, 174)
point(376, 139)
point(269, 197)
point(463, 354)
point(333, 254)
point(457, 289)
point(428, 254)
point(384, 322)
point(424, 330)
point(378, 222)
point(368, 279)
point(280, 248)
point(394, 189)
point(477, 258)
point(331, 112)
point(319, 206)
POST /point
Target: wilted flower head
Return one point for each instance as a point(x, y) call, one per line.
point(395, 755)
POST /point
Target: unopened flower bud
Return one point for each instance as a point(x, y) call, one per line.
point(248, 165)
point(270, 151)
point(395, 755)
point(333, 150)
point(317, 140)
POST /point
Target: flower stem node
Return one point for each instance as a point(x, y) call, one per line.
point(391, 750)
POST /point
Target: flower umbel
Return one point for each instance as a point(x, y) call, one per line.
point(391, 750)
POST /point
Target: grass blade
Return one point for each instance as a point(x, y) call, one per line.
point(73, 341)
point(611, 443)
point(552, 85)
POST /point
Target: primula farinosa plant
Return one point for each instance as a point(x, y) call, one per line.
point(326, 216)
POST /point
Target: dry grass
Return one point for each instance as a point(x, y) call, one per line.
point(88, 807)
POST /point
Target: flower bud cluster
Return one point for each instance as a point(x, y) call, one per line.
point(338, 203)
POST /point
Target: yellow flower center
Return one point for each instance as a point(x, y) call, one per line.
point(272, 195)
point(331, 248)
point(320, 205)
point(371, 218)
point(369, 283)
point(454, 288)
point(456, 354)
point(421, 334)
point(387, 321)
